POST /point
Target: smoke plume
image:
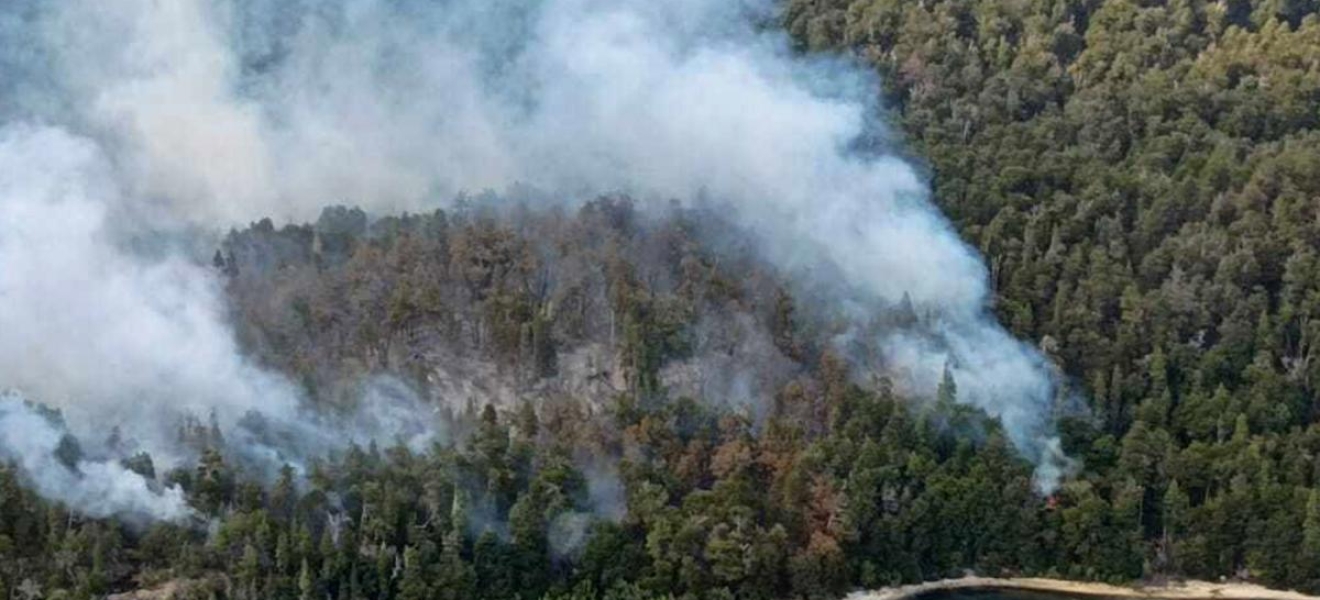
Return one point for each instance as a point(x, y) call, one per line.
point(129, 126)
point(40, 446)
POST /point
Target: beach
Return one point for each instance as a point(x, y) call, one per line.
point(1177, 590)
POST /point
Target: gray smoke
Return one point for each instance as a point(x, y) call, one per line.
point(129, 124)
point(569, 531)
point(100, 488)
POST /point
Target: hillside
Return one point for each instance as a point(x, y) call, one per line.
point(769, 370)
point(1140, 178)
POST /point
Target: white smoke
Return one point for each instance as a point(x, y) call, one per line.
point(569, 531)
point(130, 121)
point(100, 488)
point(86, 321)
point(117, 338)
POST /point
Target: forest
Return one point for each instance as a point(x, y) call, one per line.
point(640, 408)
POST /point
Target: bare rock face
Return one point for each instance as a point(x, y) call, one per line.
point(476, 308)
point(589, 373)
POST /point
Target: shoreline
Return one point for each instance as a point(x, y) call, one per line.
point(1181, 590)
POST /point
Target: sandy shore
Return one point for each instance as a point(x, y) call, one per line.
point(1184, 590)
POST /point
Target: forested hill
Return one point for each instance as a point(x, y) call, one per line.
point(1142, 177)
point(635, 406)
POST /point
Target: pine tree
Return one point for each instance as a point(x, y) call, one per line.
point(456, 579)
point(249, 571)
point(413, 584)
point(1310, 554)
point(1176, 515)
point(306, 582)
point(946, 396)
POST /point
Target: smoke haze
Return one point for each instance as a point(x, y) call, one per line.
point(100, 488)
point(130, 123)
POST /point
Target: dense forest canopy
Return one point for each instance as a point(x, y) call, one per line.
point(1140, 176)
point(641, 408)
